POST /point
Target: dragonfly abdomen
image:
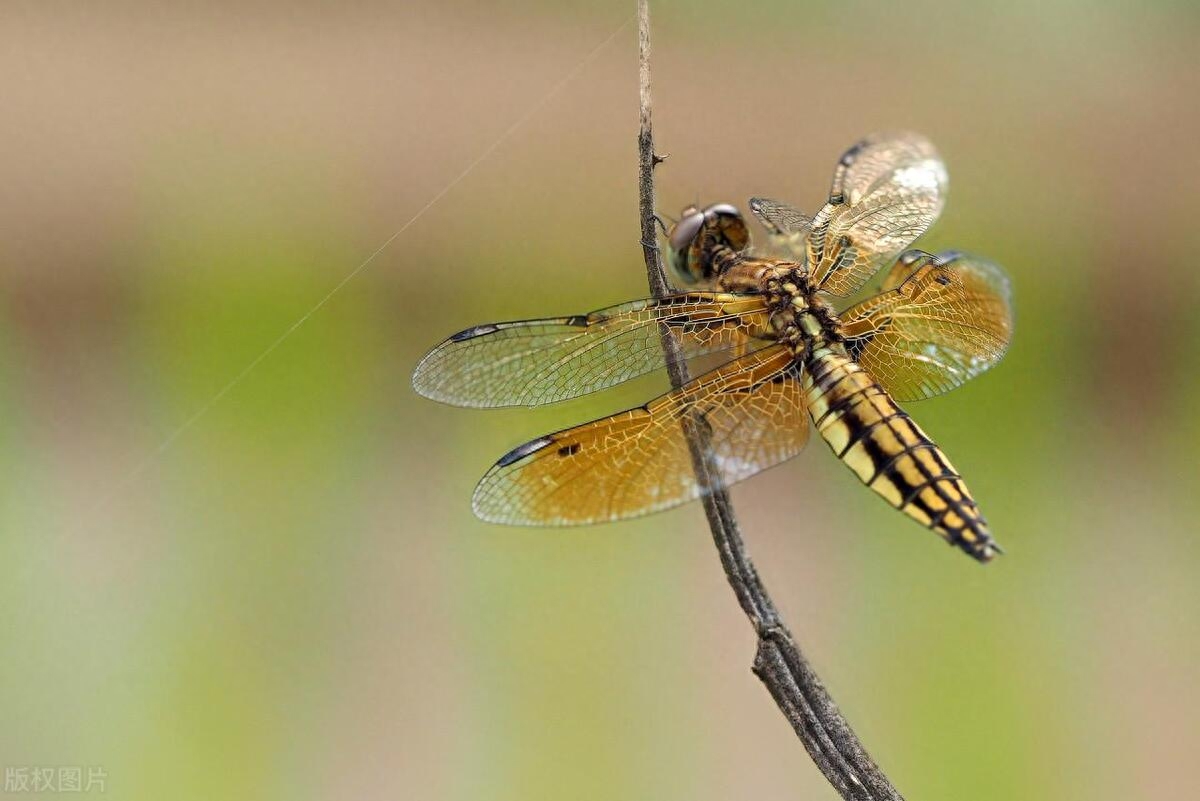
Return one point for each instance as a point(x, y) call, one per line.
point(890, 453)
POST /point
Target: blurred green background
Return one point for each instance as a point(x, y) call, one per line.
point(276, 588)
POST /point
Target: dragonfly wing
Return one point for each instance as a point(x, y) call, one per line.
point(787, 226)
point(639, 461)
point(940, 321)
point(779, 218)
point(886, 191)
point(532, 362)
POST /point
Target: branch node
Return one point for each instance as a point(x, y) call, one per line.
point(773, 631)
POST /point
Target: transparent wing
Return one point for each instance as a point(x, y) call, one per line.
point(940, 321)
point(887, 190)
point(531, 362)
point(787, 226)
point(779, 218)
point(639, 461)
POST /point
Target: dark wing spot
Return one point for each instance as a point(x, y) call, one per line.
point(851, 155)
point(944, 280)
point(856, 346)
point(577, 320)
point(477, 331)
point(569, 450)
point(521, 451)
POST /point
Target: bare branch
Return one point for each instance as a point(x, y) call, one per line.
point(778, 662)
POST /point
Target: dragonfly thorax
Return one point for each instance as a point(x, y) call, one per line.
point(800, 318)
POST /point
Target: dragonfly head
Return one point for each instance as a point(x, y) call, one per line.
point(699, 234)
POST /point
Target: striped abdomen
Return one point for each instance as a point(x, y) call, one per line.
point(890, 453)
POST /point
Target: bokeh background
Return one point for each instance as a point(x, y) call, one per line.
point(239, 566)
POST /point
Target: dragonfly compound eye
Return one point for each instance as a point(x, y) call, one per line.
point(698, 233)
point(680, 239)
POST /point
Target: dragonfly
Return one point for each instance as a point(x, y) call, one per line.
point(789, 360)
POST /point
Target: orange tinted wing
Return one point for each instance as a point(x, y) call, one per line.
point(940, 321)
point(531, 362)
point(887, 190)
point(639, 461)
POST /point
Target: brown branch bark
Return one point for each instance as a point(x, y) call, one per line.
point(778, 661)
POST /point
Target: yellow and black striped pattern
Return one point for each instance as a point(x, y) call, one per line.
point(889, 452)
